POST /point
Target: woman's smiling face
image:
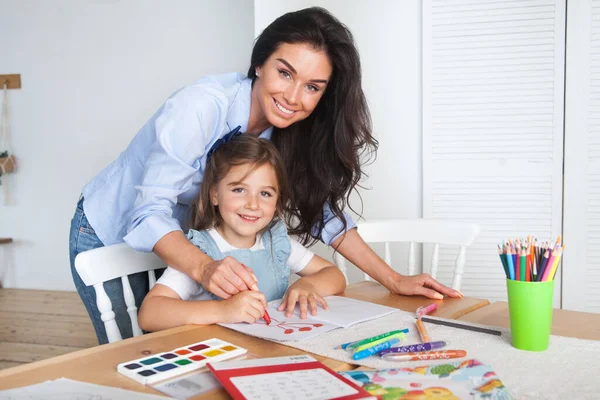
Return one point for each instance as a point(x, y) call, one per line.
point(289, 85)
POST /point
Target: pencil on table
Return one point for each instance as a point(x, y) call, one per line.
point(422, 331)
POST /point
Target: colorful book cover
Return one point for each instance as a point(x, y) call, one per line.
point(458, 380)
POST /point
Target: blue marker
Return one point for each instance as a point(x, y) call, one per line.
point(359, 355)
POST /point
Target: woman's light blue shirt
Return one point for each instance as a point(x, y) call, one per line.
point(147, 191)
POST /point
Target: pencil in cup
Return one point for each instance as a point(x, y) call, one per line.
point(425, 355)
point(526, 261)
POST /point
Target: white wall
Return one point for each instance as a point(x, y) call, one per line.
point(92, 73)
point(388, 35)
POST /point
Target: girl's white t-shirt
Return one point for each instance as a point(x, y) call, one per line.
point(188, 289)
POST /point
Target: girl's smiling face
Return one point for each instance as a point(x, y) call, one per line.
point(247, 201)
point(288, 86)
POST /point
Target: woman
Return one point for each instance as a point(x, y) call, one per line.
point(303, 91)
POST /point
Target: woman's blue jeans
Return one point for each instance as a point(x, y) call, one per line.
point(82, 238)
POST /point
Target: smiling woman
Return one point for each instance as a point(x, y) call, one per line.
point(285, 95)
point(303, 91)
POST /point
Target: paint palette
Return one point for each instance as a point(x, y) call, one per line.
point(157, 367)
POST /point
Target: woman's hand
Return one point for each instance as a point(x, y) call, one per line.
point(354, 249)
point(247, 306)
point(305, 294)
point(227, 277)
point(223, 278)
point(423, 285)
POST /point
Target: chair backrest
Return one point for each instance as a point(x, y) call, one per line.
point(433, 231)
point(111, 262)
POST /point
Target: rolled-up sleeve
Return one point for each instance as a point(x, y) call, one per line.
point(334, 227)
point(186, 126)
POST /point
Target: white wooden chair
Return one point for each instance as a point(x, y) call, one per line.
point(436, 232)
point(110, 262)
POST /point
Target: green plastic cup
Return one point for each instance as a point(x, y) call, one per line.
point(530, 308)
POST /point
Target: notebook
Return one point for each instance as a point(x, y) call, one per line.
point(342, 313)
point(469, 379)
point(292, 378)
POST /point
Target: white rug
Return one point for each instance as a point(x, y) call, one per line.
point(569, 369)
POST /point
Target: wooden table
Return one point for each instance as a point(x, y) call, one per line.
point(448, 308)
point(98, 364)
point(564, 322)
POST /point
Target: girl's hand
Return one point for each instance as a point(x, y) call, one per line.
point(423, 285)
point(305, 294)
point(247, 306)
point(227, 277)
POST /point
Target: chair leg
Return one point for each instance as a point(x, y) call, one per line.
point(435, 259)
point(459, 269)
point(131, 308)
point(412, 270)
point(107, 314)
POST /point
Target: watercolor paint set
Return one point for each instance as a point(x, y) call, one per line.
point(164, 365)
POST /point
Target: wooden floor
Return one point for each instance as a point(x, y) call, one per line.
point(39, 324)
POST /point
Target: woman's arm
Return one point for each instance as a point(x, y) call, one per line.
point(188, 123)
point(319, 279)
point(162, 308)
point(354, 249)
point(224, 278)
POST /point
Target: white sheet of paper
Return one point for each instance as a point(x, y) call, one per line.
point(343, 312)
point(189, 386)
point(282, 328)
point(67, 389)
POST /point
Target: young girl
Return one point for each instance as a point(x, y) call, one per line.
point(237, 214)
point(302, 91)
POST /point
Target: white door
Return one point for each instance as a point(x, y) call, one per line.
point(493, 79)
point(581, 261)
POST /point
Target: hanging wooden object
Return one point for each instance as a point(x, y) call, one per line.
point(8, 163)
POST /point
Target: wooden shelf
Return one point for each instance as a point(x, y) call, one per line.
point(9, 163)
point(5, 240)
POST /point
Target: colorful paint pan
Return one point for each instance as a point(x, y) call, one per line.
point(164, 365)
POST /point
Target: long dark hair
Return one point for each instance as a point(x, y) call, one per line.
point(243, 149)
point(322, 153)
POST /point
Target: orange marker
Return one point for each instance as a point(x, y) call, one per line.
point(422, 331)
point(425, 355)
